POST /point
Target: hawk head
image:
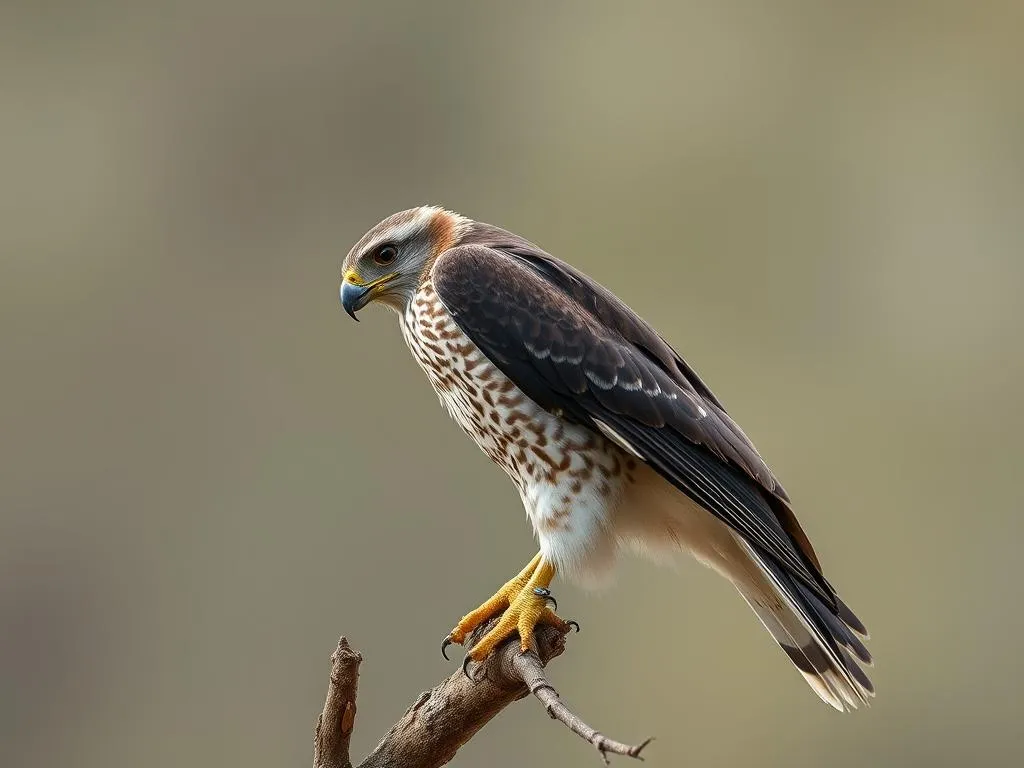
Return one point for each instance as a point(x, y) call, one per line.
point(390, 261)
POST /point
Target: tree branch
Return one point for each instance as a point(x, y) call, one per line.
point(443, 719)
point(334, 726)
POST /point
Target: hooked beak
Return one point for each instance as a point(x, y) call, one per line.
point(356, 295)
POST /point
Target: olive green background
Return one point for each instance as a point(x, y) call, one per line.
point(209, 472)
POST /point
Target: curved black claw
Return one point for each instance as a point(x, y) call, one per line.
point(444, 646)
point(546, 594)
point(465, 668)
point(573, 624)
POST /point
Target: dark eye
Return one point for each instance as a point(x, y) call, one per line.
point(385, 255)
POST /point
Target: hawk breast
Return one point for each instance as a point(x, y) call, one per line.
point(569, 476)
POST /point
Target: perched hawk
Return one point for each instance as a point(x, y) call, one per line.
point(611, 438)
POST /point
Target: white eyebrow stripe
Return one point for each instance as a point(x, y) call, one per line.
point(404, 231)
point(417, 224)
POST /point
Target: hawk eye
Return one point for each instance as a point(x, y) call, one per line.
point(385, 255)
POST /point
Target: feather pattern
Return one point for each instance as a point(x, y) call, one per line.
point(628, 378)
point(579, 353)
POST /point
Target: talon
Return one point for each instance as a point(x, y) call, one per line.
point(546, 594)
point(444, 646)
point(465, 668)
point(573, 624)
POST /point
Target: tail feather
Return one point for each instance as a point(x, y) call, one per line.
point(851, 620)
point(818, 640)
point(840, 630)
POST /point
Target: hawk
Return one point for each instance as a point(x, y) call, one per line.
point(611, 438)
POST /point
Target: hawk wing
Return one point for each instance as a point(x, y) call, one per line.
point(573, 348)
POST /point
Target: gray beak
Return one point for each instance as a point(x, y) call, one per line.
point(354, 298)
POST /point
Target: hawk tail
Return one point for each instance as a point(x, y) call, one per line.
point(821, 642)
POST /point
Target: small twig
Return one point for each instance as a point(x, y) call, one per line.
point(530, 670)
point(443, 719)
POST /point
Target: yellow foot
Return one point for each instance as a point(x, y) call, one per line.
point(522, 603)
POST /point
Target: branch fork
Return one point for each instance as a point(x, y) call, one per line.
point(441, 720)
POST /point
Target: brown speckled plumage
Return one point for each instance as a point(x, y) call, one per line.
point(550, 461)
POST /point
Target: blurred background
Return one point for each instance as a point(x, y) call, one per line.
point(209, 472)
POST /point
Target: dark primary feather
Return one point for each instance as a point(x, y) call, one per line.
point(572, 346)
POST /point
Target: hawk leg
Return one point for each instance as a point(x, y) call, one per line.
point(522, 603)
